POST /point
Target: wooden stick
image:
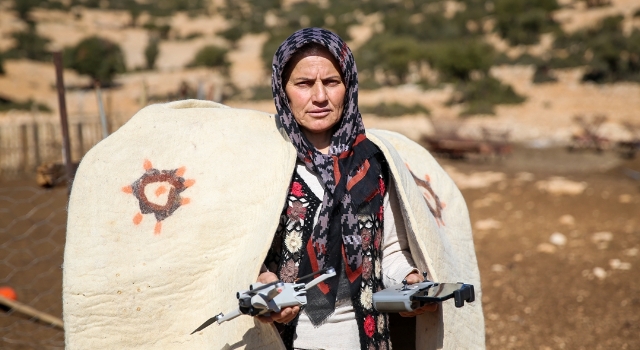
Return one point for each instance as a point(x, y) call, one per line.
point(29, 311)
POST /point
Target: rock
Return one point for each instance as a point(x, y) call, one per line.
point(616, 264)
point(631, 252)
point(476, 180)
point(497, 268)
point(558, 239)
point(560, 186)
point(487, 224)
point(599, 272)
point(599, 237)
point(524, 176)
point(625, 198)
point(546, 248)
point(567, 220)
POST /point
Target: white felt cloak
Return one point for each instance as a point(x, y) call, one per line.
point(135, 280)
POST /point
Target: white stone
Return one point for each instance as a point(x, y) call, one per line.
point(599, 237)
point(546, 248)
point(625, 198)
point(568, 220)
point(487, 224)
point(558, 239)
point(559, 186)
point(616, 264)
point(497, 268)
point(599, 272)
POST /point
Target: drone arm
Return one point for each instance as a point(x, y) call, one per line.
point(330, 273)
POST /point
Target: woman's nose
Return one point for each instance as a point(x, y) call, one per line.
point(319, 93)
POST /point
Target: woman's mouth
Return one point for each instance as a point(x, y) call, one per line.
point(319, 112)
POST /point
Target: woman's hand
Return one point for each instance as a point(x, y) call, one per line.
point(412, 278)
point(285, 315)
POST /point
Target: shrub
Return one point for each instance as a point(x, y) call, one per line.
point(543, 75)
point(522, 22)
point(394, 109)
point(480, 96)
point(390, 54)
point(211, 56)
point(7, 105)
point(28, 44)
point(457, 59)
point(261, 92)
point(96, 57)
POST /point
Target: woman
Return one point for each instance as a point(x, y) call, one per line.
point(339, 212)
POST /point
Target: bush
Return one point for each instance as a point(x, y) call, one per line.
point(457, 59)
point(7, 105)
point(543, 75)
point(28, 44)
point(261, 92)
point(480, 96)
point(390, 54)
point(211, 56)
point(522, 22)
point(96, 57)
point(394, 109)
point(608, 54)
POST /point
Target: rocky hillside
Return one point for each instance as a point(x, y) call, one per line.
point(551, 83)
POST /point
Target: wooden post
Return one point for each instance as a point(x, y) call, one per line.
point(24, 148)
point(80, 140)
point(103, 116)
point(64, 125)
point(36, 144)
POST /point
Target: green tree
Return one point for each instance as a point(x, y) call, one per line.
point(96, 57)
point(522, 21)
point(457, 59)
point(28, 44)
point(211, 56)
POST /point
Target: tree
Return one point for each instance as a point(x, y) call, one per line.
point(151, 52)
point(28, 44)
point(96, 57)
point(211, 56)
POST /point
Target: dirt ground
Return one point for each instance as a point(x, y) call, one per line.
point(559, 271)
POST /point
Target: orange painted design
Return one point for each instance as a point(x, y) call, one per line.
point(137, 219)
point(127, 189)
point(427, 177)
point(181, 171)
point(189, 183)
point(185, 201)
point(160, 190)
point(362, 171)
point(158, 228)
point(147, 164)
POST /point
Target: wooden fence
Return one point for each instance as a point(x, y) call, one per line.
point(26, 143)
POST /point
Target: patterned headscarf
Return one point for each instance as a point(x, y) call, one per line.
point(351, 173)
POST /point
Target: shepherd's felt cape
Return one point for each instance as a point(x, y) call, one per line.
point(174, 213)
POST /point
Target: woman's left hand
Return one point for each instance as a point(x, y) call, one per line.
point(413, 278)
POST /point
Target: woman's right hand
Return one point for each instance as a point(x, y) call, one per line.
point(287, 314)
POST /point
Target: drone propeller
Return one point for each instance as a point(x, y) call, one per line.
point(207, 323)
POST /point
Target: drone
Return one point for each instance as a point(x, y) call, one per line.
point(262, 299)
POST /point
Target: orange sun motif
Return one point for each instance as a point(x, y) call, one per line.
point(158, 193)
point(433, 201)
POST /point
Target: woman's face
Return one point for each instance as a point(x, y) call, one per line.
point(316, 96)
